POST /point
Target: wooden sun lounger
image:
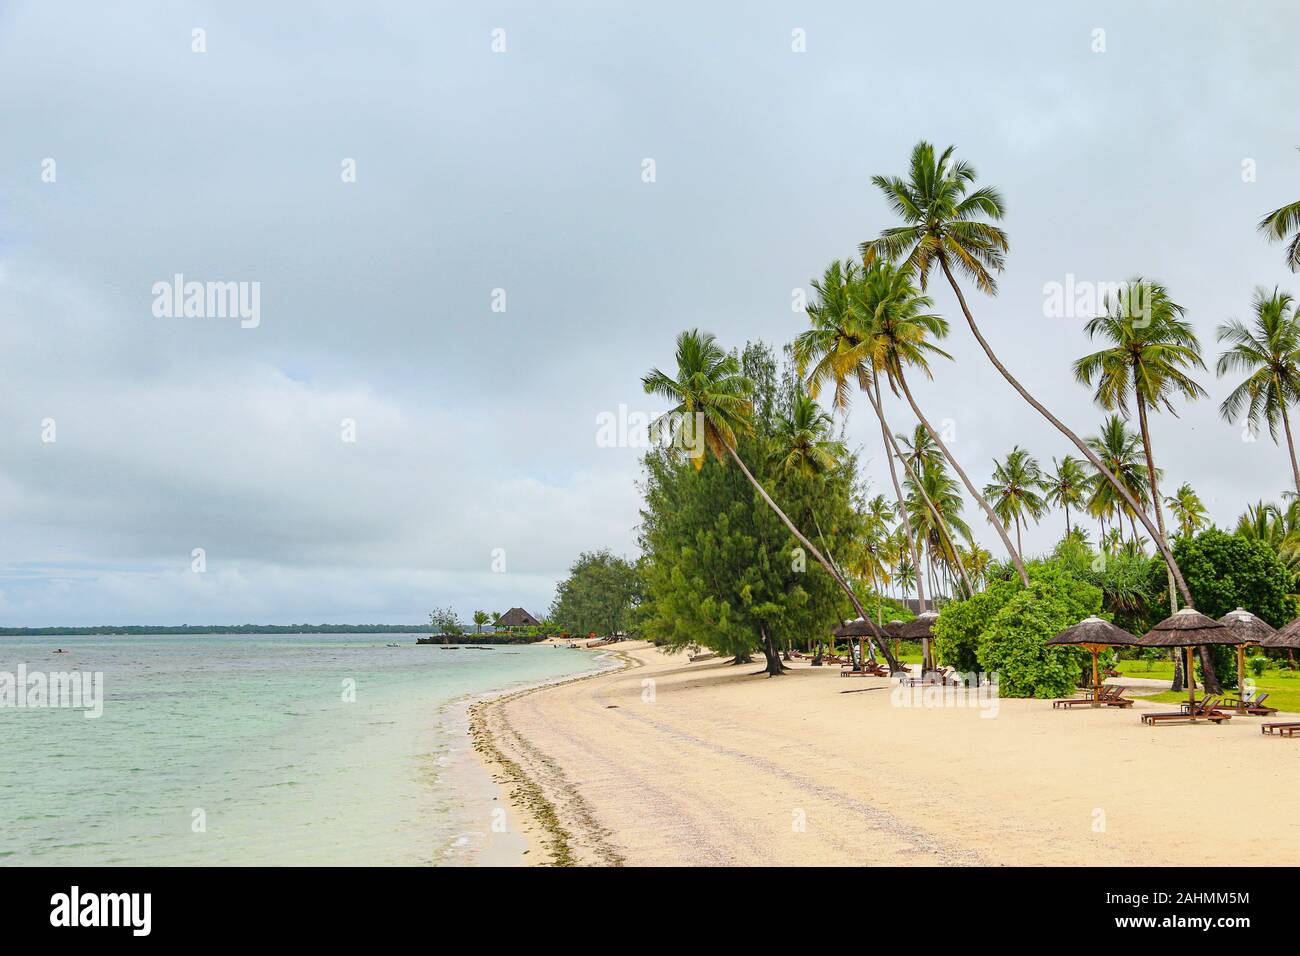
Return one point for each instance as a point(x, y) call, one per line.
point(1203, 710)
point(1281, 729)
point(1255, 706)
point(872, 670)
point(1110, 695)
point(944, 676)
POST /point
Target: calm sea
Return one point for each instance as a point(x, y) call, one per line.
point(258, 749)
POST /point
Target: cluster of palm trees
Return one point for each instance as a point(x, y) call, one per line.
point(872, 326)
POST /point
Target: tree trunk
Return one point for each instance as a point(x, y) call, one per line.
point(1067, 520)
point(742, 659)
point(909, 466)
point(1178, 670)
point(898, 493)
point(952, 460)
point(812, 549)
point(1290, 446)
point(1209, 679)
point(774, 666)
point(1060, 426)
point(1155, 489)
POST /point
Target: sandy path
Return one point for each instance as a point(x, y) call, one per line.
point(724, 767)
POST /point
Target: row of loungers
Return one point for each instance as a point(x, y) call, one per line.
point(1213, 709)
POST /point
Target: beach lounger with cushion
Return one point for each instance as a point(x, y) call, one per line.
point(1203, 710)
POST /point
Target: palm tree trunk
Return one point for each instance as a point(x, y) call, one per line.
point(952, 460)
point(1290, 445)
point(1155, 488)
point(812, 549)
point(1067, 519)
point(898, 493)
point(1060, 426)
point(910, 467)
point(1017, 517)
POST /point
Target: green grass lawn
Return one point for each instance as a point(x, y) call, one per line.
point(1282, 686)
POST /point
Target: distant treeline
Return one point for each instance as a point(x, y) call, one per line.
point(218, 629)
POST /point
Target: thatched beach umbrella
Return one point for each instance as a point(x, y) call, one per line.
point(1189, 628)
point(1287, 637)
point(919, 628)
point(1093, 634)
point(891, 630)
point(861, 629)
point(1251, 630)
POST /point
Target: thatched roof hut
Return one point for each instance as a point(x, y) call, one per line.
point(1093, 632)
point(857, 628)
point(1248, 627)
point(517, 617)
point(1287, 637)
point(918, 627)
point(1189, 628)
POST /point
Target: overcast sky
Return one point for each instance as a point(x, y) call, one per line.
point(522, 170)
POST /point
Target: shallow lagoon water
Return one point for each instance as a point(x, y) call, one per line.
point(244, 749)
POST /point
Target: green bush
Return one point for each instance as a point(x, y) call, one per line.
point(1004, 629)
point(957, 631)
point(1257, 665)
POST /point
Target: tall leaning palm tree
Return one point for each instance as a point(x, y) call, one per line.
point(838, 350)
point(712, 407)
point(903, 330)
point(1066, 486)
point(945, 225)
point(1269, 352)
point(1014, 489)
point(1151, 350)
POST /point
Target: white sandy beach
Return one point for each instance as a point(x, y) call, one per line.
point(728, 767)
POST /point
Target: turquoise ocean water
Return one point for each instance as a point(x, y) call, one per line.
point(252, 737)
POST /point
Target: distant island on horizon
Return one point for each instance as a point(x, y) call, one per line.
point(136, 629)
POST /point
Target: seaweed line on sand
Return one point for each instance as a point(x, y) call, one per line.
point(526, 793)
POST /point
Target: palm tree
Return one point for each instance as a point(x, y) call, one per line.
point(1066, 486)
point(1121, 450)
point(935, 525)
point(1269, 350)
point(480, 618)
point(802, 444)
point(837, 349)
point(1281, 223)
point(1188, 511)
point(1152, 348)
point(712, 399)
point(1014, 489)
point(902, 328)
point(918, 448)
point(944, 226)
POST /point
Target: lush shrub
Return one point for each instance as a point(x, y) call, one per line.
point(1226, 571)
point(1257, 665)
point(1004, 628)
point(957, 631)
point(1013, 642)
